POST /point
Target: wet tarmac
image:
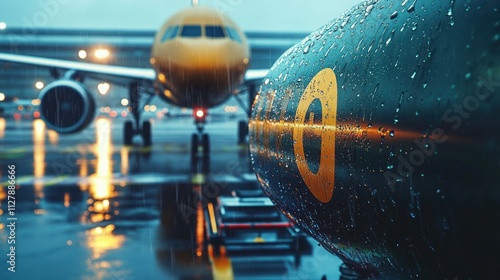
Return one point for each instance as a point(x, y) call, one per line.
point(87, 207)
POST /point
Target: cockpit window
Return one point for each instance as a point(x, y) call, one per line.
point(214, 31)
point(191, 31)
point(170, 33)
point(233, 34)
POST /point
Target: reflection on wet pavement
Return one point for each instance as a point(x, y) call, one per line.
point(89, 208)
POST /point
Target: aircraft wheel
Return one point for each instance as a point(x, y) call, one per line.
point(128, 133)
point(194, 147)
point(206, 153)
point(242, 131)
point(206, 146)
point(146, 133)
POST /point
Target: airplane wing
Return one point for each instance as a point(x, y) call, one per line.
point(147, 74)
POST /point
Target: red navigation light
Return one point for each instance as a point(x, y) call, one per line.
point(200, 113)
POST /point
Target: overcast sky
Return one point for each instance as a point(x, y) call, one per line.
point(251, 15)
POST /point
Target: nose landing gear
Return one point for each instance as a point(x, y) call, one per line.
point(200, 142)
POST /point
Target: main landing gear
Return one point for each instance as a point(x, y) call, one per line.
point(242, 132)
point(243, 125)
point(200, 142)
point(145, 129)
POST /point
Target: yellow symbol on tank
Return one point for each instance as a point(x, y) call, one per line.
point(323, 87)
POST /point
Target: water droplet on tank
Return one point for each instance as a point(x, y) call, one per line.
point(368, 10)
point(266, 82)
point(413, 75)
point(468, 75)
point(394, 15)
point(390, 166)
point(414, 26)
point(388, 41)
point(391, 133)
point(306, 49)
point(411, 9)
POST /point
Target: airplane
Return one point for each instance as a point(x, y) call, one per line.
point(199, 58)
point(378, 135)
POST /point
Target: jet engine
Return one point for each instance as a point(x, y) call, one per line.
point(66, 106)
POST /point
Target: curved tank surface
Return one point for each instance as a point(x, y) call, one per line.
point(378, 134)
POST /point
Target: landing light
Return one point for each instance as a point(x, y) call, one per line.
point(124, 102)
point(101, 53)
point(82, 54)
point(39, 85)
point(2, 96)
point(103, 88)
point(3, 25)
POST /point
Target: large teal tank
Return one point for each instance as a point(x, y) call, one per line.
point(378, 134)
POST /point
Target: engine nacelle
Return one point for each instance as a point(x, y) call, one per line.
point(66, 106)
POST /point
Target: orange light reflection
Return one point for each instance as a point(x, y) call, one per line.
point(2, 127)
point(200, 229)
point(38, 156)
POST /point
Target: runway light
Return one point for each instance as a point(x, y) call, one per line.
point(101, 53)
point(3, 25)
point(103, 88)
point(39, 85)
point(82, 54)
point(147, 108)
point(2, 96)
point(124, 102)
point(152, 108)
